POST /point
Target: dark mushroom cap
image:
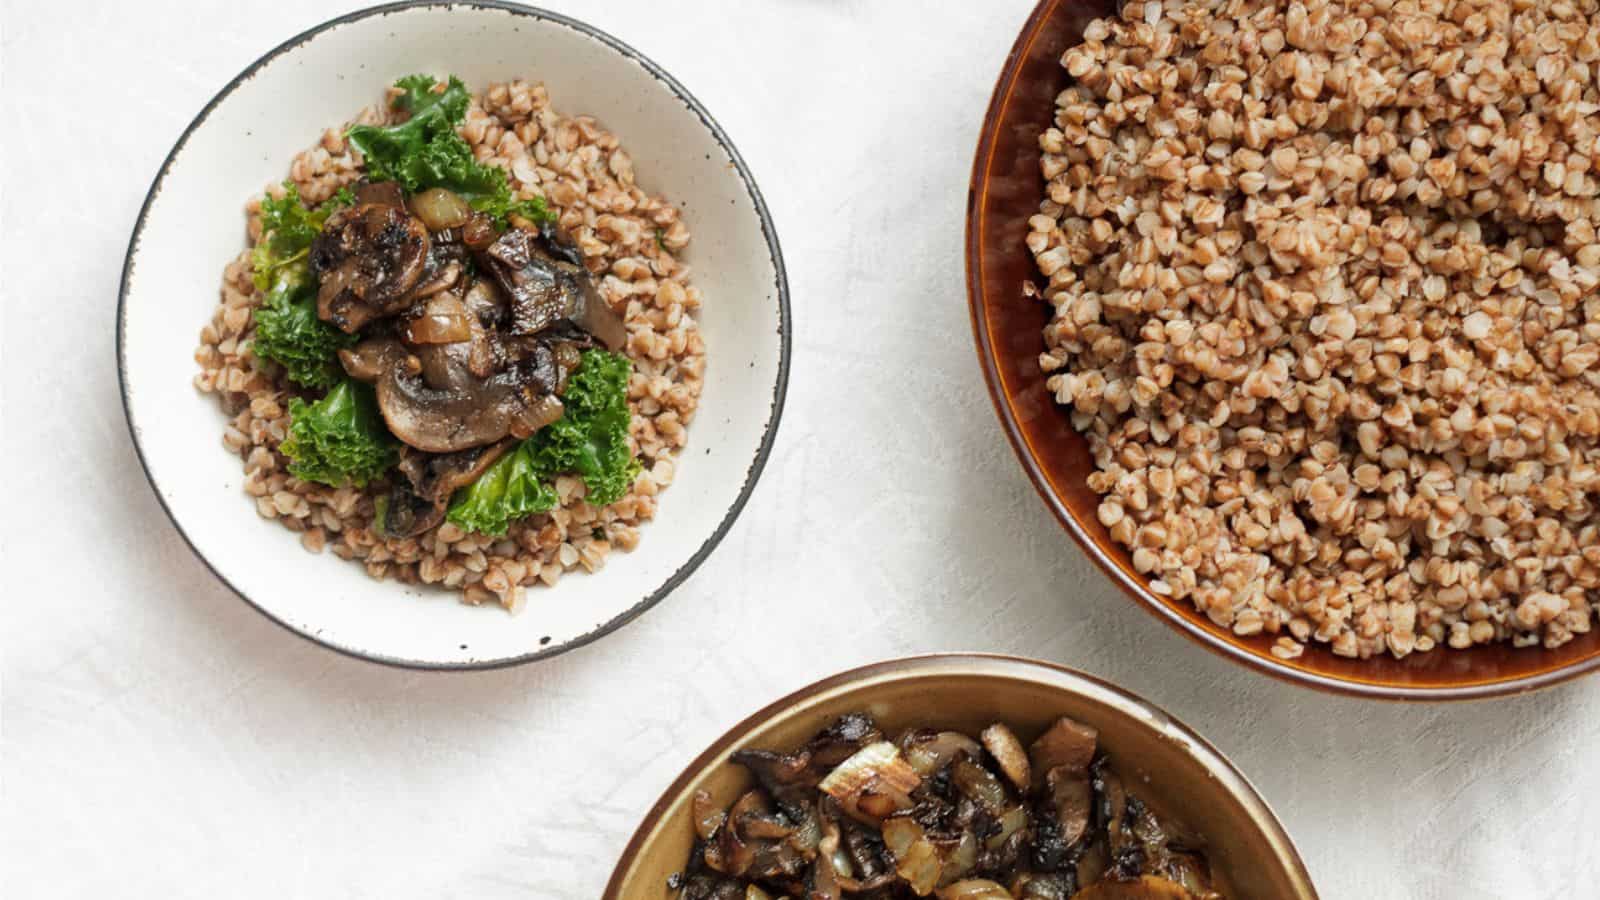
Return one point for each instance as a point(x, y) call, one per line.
point(418, 501)
point(368, 258)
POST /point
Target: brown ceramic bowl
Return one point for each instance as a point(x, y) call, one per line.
point(1005, 191)
point(1174, 768)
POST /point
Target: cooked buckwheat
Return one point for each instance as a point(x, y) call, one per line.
point(1326, 281)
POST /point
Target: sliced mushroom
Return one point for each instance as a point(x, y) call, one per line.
point(451, 419)
point(1066, 743)
point(368, 258)
point(443, 275)
point(1072, 801)
point(374, 357)
point(485, 307)
point(544, 290)
point(419, 501)
point(848, 733)
point(1008, 752)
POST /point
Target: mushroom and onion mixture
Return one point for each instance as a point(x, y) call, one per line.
point(856, 814)
point(1325, 282)
point(434, 377)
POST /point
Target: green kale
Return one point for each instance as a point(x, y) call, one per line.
point(288, 331)
point(288, 227)
point(591, 439)
point(509, 490)
point(426, 152)
point(340, 439)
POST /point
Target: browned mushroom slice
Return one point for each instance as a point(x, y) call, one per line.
point(485, 307)
point(846, 734)
point(1067, 743)
point(442, 276)
point(544, 291)
point(368, 257)
point(1043, 886)
point(372, 358)
point(1072, 801)
point(1008, 752)
point(385, 192)
point(419, 501)
point(444, 421)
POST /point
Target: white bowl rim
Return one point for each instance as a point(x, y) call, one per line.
point(768, 230)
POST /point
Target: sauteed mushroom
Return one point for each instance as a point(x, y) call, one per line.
point(417, 502)
point(545, 290)
point(938, 814)
point(367, 258)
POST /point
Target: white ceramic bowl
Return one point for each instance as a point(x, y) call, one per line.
point(192, 225)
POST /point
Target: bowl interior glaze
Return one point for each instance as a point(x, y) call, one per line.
point(1159, 757)
point(1005, 191)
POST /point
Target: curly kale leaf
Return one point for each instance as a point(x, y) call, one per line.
point(288, 227)
point(340, 439)
point(511, 489)
point(288, 331)
point(591, 439)
point(426, 152)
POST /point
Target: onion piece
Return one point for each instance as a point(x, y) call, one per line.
point(1012, 821)
point(707, 817)
point(873, 783)
point(927, 751)
point(439, 209)
point(443, 321)
point(980, 784)
point(916, 859)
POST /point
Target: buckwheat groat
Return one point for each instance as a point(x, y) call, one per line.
point(1326, 283)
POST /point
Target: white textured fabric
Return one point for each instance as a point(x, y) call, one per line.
point(163, 740)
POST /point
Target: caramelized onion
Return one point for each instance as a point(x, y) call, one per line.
point(439, 209)
point(443, 321)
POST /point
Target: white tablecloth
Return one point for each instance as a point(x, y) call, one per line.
point(164, 740)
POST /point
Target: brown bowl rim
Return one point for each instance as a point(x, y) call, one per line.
point(1134, 588)
point(1064, 678)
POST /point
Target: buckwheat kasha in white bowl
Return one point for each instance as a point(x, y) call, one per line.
point(1326, 290)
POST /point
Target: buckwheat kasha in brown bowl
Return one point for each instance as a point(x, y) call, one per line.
point(1325, 282)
